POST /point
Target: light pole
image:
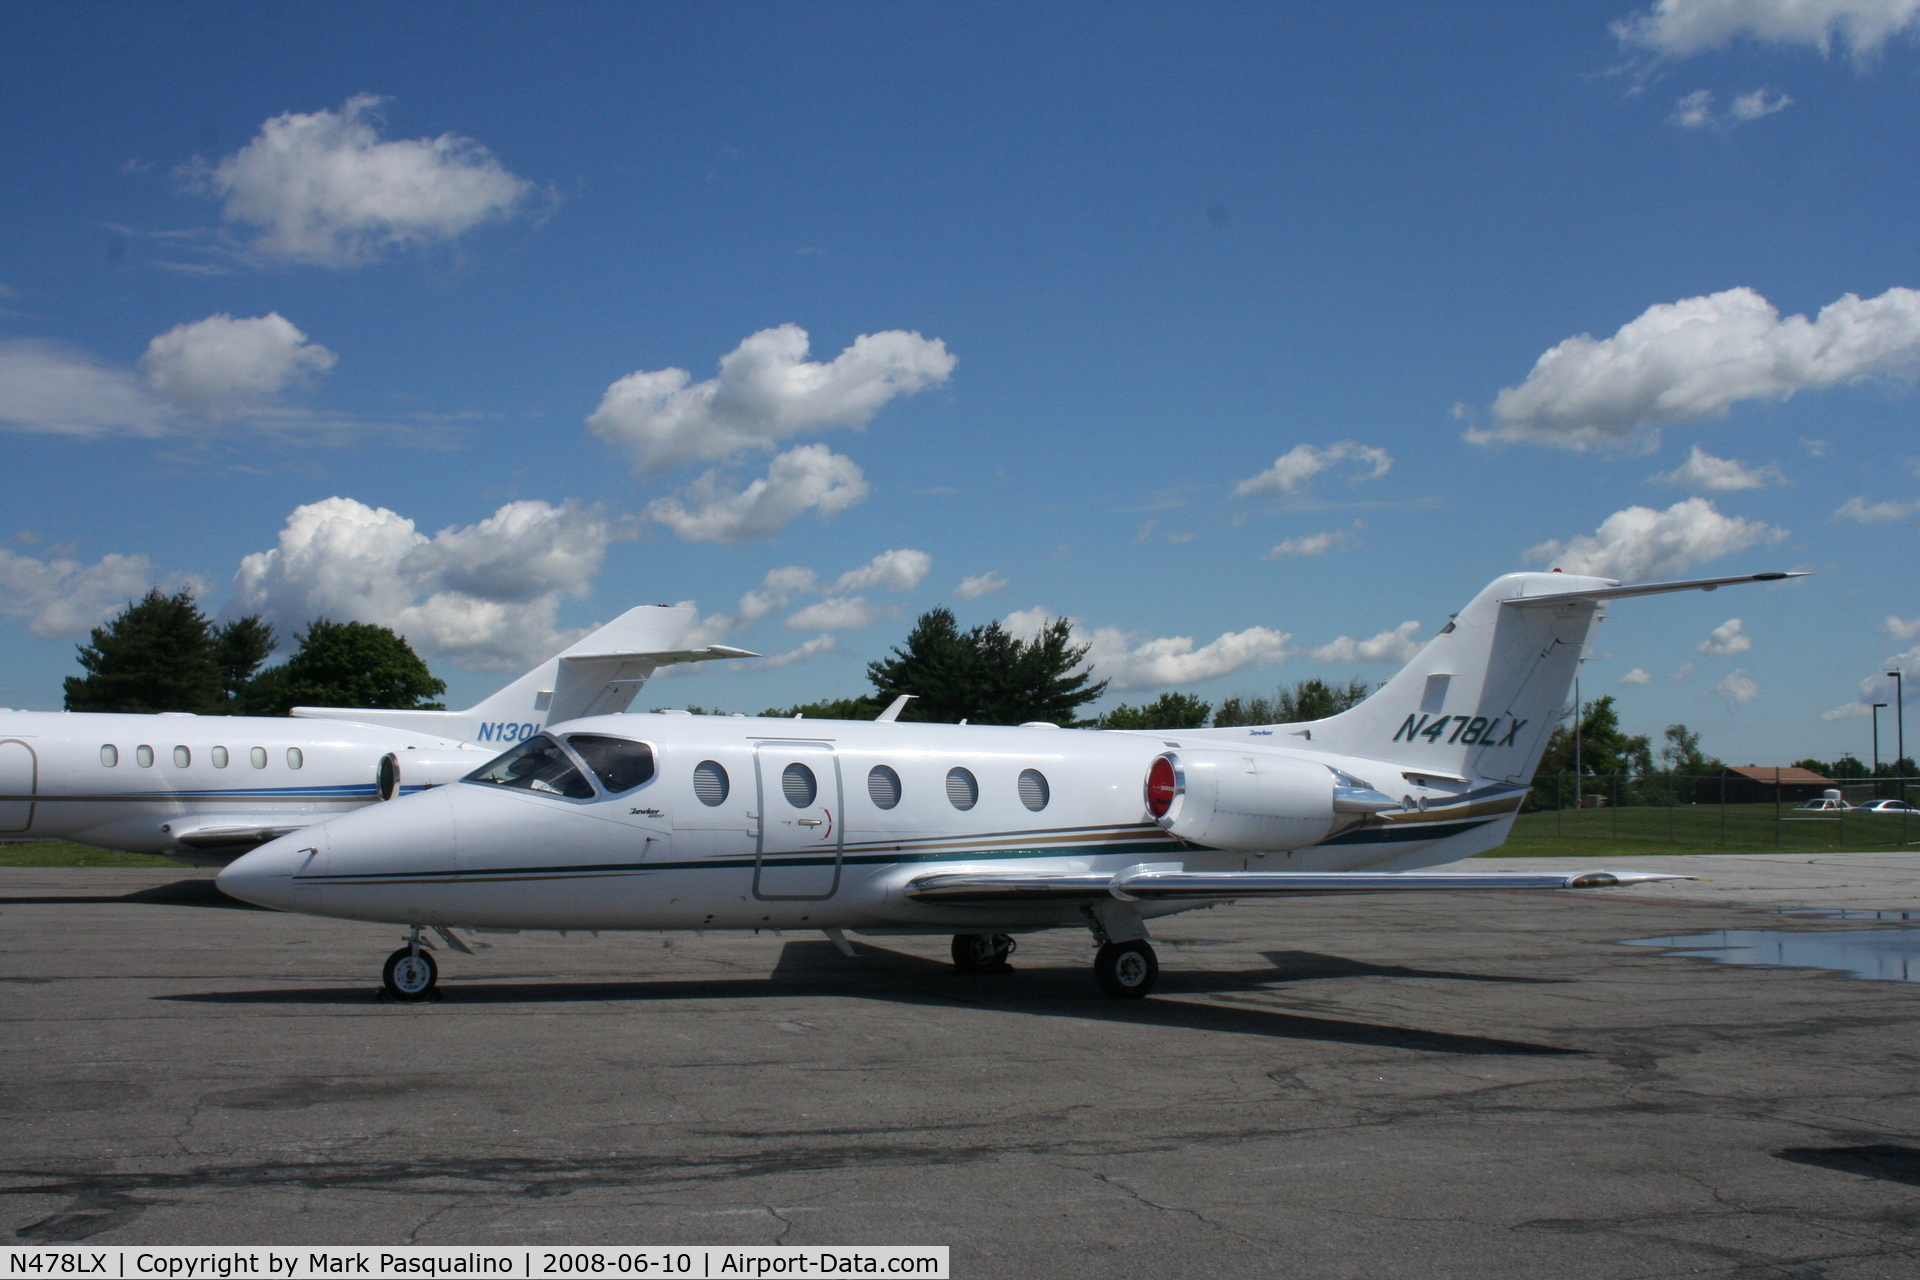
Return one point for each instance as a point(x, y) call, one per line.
point(1876, 737)
point(1899, 718)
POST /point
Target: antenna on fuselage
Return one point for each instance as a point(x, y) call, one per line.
point(892, 713)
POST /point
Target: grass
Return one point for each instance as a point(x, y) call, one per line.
point(61, 853)
point(1682, 829)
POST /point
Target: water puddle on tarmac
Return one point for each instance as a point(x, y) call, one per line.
point(1886, 955)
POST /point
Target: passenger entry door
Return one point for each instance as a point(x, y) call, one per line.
point(19, 774)
point(800, 820)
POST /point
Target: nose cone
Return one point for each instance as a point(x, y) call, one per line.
point(265, 877)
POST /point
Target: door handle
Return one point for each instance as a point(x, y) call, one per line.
point(809, 822)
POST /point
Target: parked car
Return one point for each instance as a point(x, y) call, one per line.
point(1885, 806)
point(1823, 804)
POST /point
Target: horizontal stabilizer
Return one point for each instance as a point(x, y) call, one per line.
point(982, 889)
point(1647, 589)
point(604, 684)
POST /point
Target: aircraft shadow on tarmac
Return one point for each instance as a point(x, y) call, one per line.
point(1885, 1161)
point(181, 893)
point(817, 969)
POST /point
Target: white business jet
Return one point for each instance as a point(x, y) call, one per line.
point(885, 828)
point(204, 789)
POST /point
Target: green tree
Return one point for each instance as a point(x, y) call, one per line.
point(1604, 749)
point(1168, 711)
point(238, 649)
point(860, 708)
point(1682, 755)
point(346, 664)
point(157, 655)
point(1310, 699)
point(985, 675)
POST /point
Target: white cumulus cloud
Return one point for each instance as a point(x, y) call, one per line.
point(1695, 111)
point(324, 188)
point(1303, 462)
point(63, 597)
point(1397, 645)
point(808, 478)
point(1875, 512)
point(977, 585)
point(811, 649)
point(1639, 675)
point(483, 595)
point(1725, 640)
point(219, 361)
point(767, 390)
point(1702, 472)
point(1737, 688)
point(1881, 687)
point(1751, 106)
point(838, 613)
point(1640, 543)
point(900, 570)
point(1901, 628)
point(1681, 28)
point(1696, 358)
point(1171, 660)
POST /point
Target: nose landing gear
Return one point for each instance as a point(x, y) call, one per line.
point(410, 973)
point(981, 952)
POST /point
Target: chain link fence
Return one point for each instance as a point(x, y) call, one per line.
point(1735, 810)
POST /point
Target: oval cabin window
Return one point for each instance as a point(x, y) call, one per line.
point(962, 790)
point(219, 757)
point(710, 783)
point(883, 787)
point(143, 755)
point(259, 757)
point(109, 755)
point(294, 758)
point(797, 784)
point(182, 757)
point(1034, 792)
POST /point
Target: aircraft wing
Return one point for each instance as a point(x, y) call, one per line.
point(235, 833)
point(988, 889)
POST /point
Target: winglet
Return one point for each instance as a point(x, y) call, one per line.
point(893, 711)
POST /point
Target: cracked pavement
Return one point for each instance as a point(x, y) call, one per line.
point(1365, 1086)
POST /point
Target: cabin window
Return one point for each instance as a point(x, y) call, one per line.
point(1034, 792)
point(144, 755)
point(294, 758)
point(962, 790)
point(219, 757)
point(798, 785)
point(883, 787)
point(538, 764)
point(182, 757)
point(620, 764)
point(710, 783)
point(259, 757)
point(109, 755)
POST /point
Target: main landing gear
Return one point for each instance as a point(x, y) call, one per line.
point(981, 952)
point(1126, 970)
point(410, 972)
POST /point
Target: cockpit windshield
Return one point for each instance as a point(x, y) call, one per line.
point(538, 764)
point(620, 763)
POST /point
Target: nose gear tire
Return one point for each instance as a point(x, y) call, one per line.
point(1126, 970)
point(410, 975)
point(981, 952)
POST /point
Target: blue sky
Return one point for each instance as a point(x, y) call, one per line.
point(1255, 339)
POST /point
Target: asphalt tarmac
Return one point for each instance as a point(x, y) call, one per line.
point(1362, 1086)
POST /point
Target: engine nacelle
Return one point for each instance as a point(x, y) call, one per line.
point(433, 767)
point(1255, 803)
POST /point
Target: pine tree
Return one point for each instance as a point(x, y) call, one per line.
point(1168, 711)
point(985, 675)
point(157, 655)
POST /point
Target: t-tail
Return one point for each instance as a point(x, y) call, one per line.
point(597, 675)
point(1480, 700)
